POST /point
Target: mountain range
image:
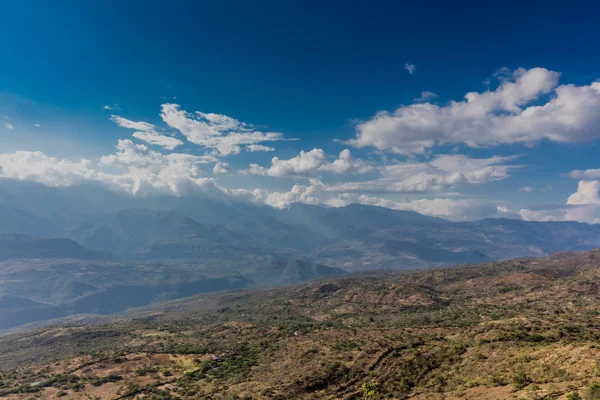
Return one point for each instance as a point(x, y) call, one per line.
point(105, 252)
point(354, 237)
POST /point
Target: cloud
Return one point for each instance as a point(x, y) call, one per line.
point(37, 125)
point(579, 213)
point(453, 209)
point(311, 163)
point(129, 124)
point(316, 193)
point(531, 189)
point(9, 126)
point(220, 168)
point(517, 111)
point(585, 174)
point(112, 108)
point(258, 147)
point(587, 193)
point(581, 206)
point(222, 134)
point(36, 166)
point(426, 96)
point(411, 68)
point(133, 168)
point(167, 142)
point(442, 172)
point(147, 133)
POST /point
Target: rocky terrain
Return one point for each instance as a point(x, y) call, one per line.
point(519, 329)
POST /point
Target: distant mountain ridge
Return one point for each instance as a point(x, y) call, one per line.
point(14, 246)
point(355, 237)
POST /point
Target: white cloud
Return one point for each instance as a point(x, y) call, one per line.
point(258, 147)
point(147, 133)
point(36, 166)
point(581, 206)
point(133, 168)
point(580, 213)
point(587, 193)
point(145, 171)
point(426, 96)
point(411, 68)
point(311, 163)
point(503, 116)
point(442, 172)
point(37, 125)
point(223, 134)
point(220, 168)
point(167, 142)
point(453, 209)
point(585, 174)
point(129, 124)
point(9, 126)
point(527, 189)
point(112, 108)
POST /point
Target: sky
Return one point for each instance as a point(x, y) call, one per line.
point(461, 110)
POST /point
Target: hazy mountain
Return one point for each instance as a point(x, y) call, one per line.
point(33, 290)
point(14, 246)
point(160, 235)
point(207, 228)
point(13, 220)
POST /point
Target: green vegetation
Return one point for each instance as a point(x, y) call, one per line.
point(451, 332)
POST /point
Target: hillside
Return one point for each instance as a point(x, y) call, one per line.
point(519, 329)
point(34, 290)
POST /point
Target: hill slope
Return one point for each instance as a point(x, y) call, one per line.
point(525, 328)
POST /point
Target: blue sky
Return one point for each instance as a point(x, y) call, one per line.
point(323, 74)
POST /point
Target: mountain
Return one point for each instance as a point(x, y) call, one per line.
point(221, 230)
point(41, 289)
point(13, 246)
point(13, 220)
point(518, 329)
point(160, 235)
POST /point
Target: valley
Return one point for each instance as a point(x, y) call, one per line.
point(518, 329)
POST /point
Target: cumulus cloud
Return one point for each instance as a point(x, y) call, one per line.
point(311, 163)
point(581, 206)
point(587, 193)
point(411, 68)
point(222, 134)
point(36, 166)
point(220, 168)
point(579, 213)
point(453, 209)
point(426, 96)
point(585, 174)
point(442, 172)
point(517, 111)
point(147, 133)
point(9, 126)
point(133, 168)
